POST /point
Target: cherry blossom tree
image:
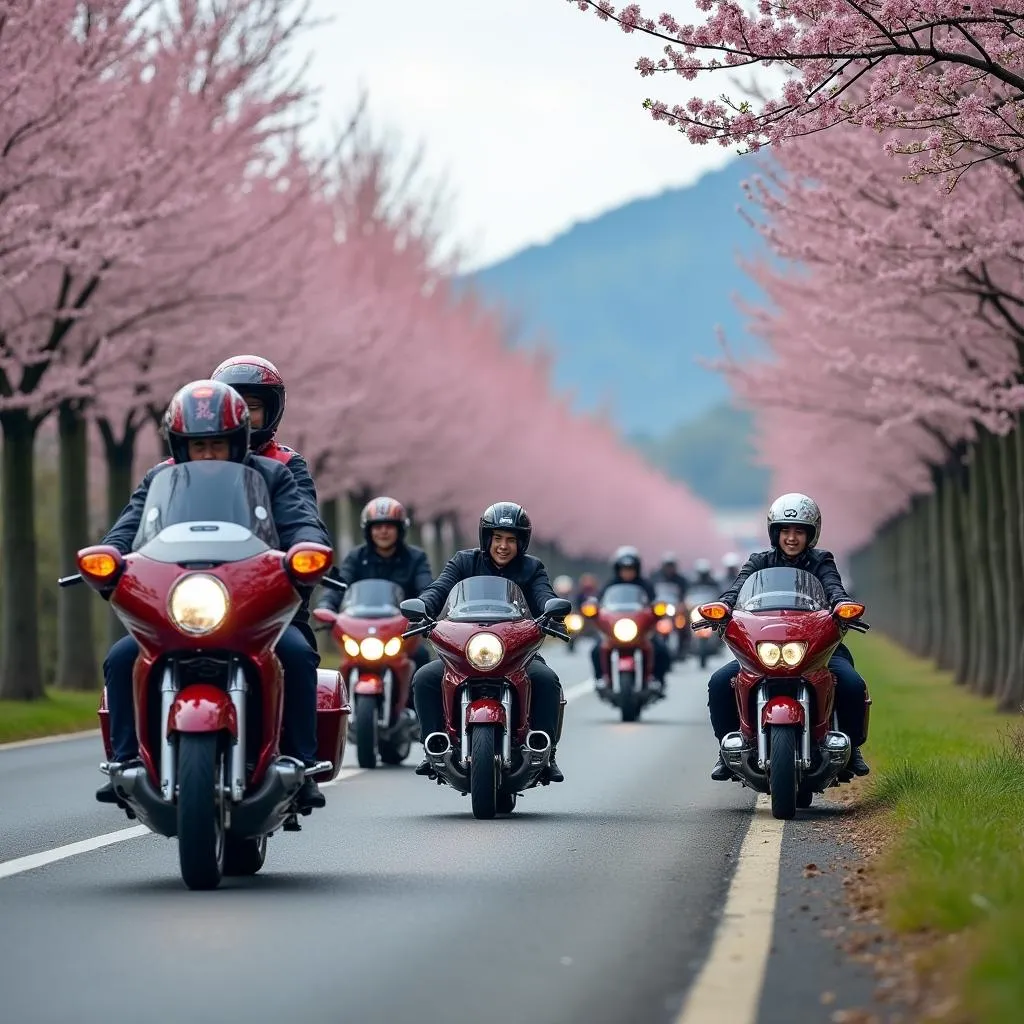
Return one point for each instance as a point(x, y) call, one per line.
point(946, 77)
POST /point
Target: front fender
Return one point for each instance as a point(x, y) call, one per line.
point(486, 711)
point(782, 711)
point(202, 708)
point(373, 685)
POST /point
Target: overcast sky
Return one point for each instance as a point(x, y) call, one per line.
point(530, 109)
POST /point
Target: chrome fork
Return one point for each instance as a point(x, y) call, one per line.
point(168, 690)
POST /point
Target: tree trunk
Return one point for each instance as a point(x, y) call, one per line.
point(415, 532)
point(960, 535)
point(993, 566)
point(974, 513)
point(1011, 574)
point(76, 647)
point(20, 673)
point(329, 514)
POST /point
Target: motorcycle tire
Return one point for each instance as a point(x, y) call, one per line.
point(366, 731)
point(201, 835)
point(483, 772)
point(629, 701)
point(244, 856)
point(782, 776)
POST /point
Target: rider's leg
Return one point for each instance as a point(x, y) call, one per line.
point(298, 724)
point(724, 716)
point(851, 693)
point(426, 688)
point(545, 708)
point(117, 675)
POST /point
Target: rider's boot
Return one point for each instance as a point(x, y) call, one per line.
point(721, 773)
point(857, 764)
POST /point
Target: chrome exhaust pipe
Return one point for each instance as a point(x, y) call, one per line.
point(437, 744)
point(291, 771)
point(536, 753)
point(538, 743)
point(441, 754)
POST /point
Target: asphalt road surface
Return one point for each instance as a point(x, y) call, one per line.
point(595, 901)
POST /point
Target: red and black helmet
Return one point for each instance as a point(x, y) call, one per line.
point(207, 409)
point(256, 377)
point(381, 511)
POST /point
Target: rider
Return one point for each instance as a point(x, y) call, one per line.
point(626, 567)
point(730, 567)
point(669, 572)
point(505, 531)
point(385, 556)
point(587, 586)
point(702, 574)
point(209, 420)
point(794, 526)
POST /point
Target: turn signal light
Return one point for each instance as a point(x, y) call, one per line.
point(660, 608)
point(589, 608)
point(101, 562)
point(715, 612)
point(849, 610)
point(306, 561)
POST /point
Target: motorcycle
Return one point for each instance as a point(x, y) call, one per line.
point(668, 604)
point(486, 636)
point(378, 667)
point(574, 626)
point(206, 593)
point(706, 642)
point(626, 622)
point(782, 633)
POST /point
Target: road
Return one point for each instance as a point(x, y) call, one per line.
point(596, 901)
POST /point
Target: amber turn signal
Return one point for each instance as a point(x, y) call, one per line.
point(308, 560)
point(849, 610)
point(100, 563)
point(589, 608)
point(715, 612)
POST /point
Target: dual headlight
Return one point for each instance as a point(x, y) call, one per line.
point(372, 648)
point(484, 650)
point(198, 604)
point(790, 654)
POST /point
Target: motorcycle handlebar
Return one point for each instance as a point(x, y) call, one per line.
point(70, 581)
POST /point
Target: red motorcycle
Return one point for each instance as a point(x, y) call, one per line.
point(626, 622)
point(782, 633)
point(378, 667)
point(486, 636)
point(206, 593)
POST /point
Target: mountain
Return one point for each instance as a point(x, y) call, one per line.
point(629, 301)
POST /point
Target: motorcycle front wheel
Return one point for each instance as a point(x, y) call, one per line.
point(483, 768)
point(201, 839)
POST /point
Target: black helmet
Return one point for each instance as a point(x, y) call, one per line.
point(207, 409)
point(506, 515)
point(256, 377)
point(626, 558)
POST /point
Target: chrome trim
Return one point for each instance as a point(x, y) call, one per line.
point(168, 689)
point(464, 709)
point(805, 740)
point(384, 716)
point(762, 736)
point(639, 676)
point(506, 739)
point(237, 690)
point(613, 670)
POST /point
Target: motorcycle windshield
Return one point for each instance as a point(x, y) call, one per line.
point(485, 599)
point(701, 595)
point(372, 599)
point(624, 597)
point(667, 592)
point(782, 590)
point(198, 506)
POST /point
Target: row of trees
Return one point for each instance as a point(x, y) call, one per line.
point(895, 321)
point(158, 213)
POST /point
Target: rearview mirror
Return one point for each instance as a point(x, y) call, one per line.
point(557, 606)
point(413, 609)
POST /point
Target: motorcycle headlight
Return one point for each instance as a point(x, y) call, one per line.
point(198, 604)
point(351, 647)
point(371, 648)
point(484, 650)
point(393, 646)
point(574, 623)
point(793, 652)
point(770, 654)
point(624, 630)
point(670, 609)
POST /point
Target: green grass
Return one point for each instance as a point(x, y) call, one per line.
point(60, 711)
point(949, 774)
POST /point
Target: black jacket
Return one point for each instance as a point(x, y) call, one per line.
point(525, 570)
point(820, 563)
point(705, 579)
point(288, 507)
point(677, 578)
point(639, 581)
point(408, 567)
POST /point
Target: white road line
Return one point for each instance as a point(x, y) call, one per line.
point(729, 985)
point(37, 860)
point(41, 741)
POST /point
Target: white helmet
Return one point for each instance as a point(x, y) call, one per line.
point(794, 510)
point(562, 585)
point(702, 565)
point(730, 560)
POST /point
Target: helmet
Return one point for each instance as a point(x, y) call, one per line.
point(255, 377)
point(730, 560)
point(794, 510)
point(669, 558)
point(506, 515)
point(626, 557)
point(562, 585)
point(589, 581)
point(207, 409)
point(701, 565)
point(378, 511)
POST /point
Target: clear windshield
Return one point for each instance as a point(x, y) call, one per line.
point(210, 502)
point(485, 599)
point(782, 589)
point(624, 597)
point(701, 595)
point(372, 599)
point(667, 591)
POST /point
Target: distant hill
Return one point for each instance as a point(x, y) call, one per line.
point(629, 301)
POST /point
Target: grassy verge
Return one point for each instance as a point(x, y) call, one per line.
point(949, 777)
point(60, 711)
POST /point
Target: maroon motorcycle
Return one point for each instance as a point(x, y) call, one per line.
point(486, 636)
point(206, 592)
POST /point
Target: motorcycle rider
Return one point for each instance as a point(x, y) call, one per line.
point(702, 576)
point(505, 531)
point(626, 566)
point(209, 420)
point(730, 567)
point(586, 587)
point(384, 556)
point(794, 526)
point(668, 572)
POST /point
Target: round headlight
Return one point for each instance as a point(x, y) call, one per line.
point(351, 647)
point(371, 648)
point(625, 630)
point(484, 650)
point(574, 623)
point(793, 652)
point(770, 654)
point(393, 646)
point(198, 604)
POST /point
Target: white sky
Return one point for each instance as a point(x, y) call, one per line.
point(530, 109)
